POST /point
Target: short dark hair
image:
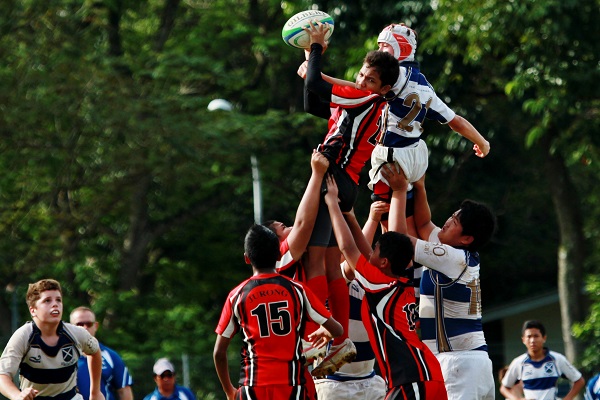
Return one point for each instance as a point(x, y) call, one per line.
point(261, 246)
point(269, 225)
point(398, 249)
point(477, 220)
point(385, 64)
point(533, 324)
point(35, 290)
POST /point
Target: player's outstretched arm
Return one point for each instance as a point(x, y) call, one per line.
point(337, 81)
point(12, 392)
point(303, 69)
point(466, 129)
point(422, 216)
point(362, 242)
point(222, 366)
point(308, 207)
point(378, 208)
point(341, 230)
point(399, 185)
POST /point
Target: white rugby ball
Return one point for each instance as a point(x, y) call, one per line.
point(293, 33)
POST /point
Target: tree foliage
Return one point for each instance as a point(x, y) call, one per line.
point(120, 183)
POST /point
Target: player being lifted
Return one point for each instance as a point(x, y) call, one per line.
point(402, 120)
point(353, 113)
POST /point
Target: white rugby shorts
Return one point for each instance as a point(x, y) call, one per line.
point(362, 389)
point(468, 375)
point(413, 160)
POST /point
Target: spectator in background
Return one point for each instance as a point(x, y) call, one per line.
point(116, 382)
point(166, 388)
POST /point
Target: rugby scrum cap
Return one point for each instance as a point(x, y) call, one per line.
point(161, 365)
point(402, 39)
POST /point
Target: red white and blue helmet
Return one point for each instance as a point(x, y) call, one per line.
point(402, 39)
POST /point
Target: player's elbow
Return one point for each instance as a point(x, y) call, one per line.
point(219, 355)
point(457, 123)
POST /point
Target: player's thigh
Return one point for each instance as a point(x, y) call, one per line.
point(375, 388)
point(468, 375)
point(347, 188)
point(413, 160)
point(379, 157)
point(332, 390)
point(322, 231)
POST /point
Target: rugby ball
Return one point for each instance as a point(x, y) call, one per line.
point(293, 33)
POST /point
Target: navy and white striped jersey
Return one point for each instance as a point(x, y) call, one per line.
point(450, 302)
point(403, 117)
point(362, 366)
point(540, 377)
point(52, 370)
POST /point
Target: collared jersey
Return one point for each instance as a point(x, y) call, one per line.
point(450, 301)
point(389, 312)
point(270, 311)
point(52, 370)
point(416, 100)
point(353, 126)
point(115, 375)
point(540, 377)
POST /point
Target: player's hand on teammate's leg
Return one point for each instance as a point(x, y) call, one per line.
point(320, 337)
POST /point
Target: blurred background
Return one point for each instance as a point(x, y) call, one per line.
point(119, 180)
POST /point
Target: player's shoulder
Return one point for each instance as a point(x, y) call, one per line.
point(237, 290)
point(519, 360)
point(25, 330)
point(21, 337)
point(76, 332)
point(558, 357)
point(555, 354)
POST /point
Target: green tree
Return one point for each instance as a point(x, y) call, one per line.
point(118, 182)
